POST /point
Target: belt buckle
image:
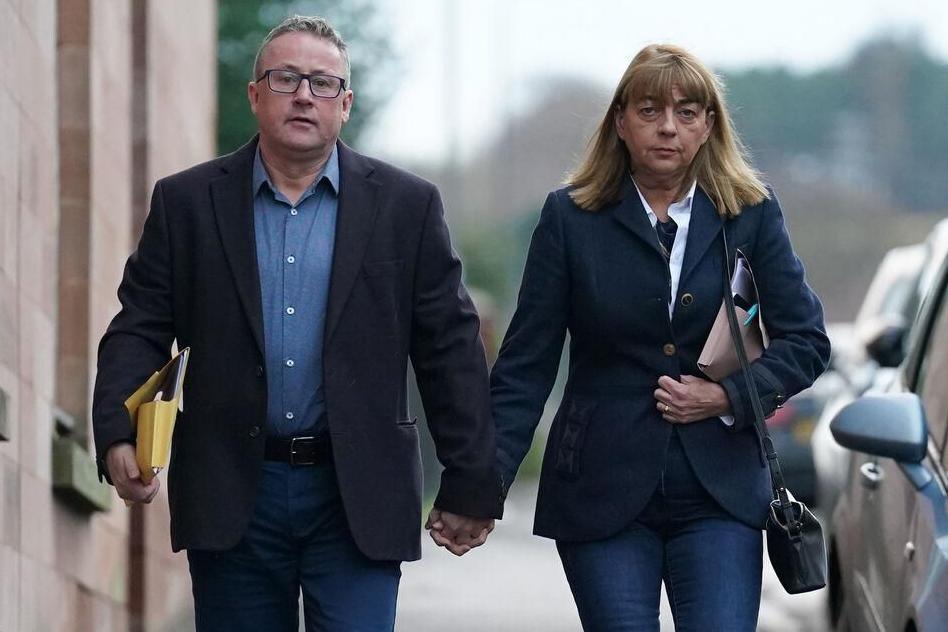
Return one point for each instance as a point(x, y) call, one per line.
point(293, 460)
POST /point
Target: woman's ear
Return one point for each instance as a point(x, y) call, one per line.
point(619, 121)
point(709, 119)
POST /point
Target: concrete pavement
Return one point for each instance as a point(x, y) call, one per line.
point(515, 583)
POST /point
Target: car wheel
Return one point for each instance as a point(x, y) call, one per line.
point(844, 619)
point(837, 609)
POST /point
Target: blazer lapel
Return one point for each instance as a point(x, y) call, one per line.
point(358, 205)
point(232, 199)
point(702, 230)
point(631, 214)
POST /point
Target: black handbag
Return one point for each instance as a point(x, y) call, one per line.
point(794, 536)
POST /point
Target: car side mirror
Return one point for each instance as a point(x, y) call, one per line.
point(891, 426)
point(884, 339)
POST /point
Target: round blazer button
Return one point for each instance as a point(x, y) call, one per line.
point(259, 371)
point(669, 349)
point(687, 299)
point(254, 432)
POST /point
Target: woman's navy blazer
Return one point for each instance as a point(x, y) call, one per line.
point(601, 277)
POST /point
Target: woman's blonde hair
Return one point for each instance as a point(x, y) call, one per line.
point(721, 165)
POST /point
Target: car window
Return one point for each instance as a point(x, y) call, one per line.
point(897, 297)
point(932, 383)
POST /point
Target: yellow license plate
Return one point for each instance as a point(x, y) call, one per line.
point(802, 430)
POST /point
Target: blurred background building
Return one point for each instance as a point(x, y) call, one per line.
point(842, 106)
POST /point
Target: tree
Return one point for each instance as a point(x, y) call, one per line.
point(874, 122)
point(242, 25)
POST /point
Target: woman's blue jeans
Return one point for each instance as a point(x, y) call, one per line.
point(710, 563)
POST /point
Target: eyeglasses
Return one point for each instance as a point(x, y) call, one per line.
point(288, 82)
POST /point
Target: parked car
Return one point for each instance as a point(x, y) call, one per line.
point(888, 544)
point(791, 427)
point(887, 311)
point(937, 251)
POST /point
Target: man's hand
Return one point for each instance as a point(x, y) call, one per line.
point(459, 534)
point(123, 469)
point(692, 399)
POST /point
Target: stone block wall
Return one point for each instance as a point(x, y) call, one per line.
point(98, 98)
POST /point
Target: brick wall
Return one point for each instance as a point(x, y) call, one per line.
point(93, 108)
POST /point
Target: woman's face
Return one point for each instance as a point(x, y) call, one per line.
point(663, 136)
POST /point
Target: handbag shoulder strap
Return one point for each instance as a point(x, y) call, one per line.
point(776, 475)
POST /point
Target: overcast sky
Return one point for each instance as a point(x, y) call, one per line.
point(467, 64)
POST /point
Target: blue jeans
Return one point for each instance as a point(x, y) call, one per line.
point(298, 540)
point(710, 563)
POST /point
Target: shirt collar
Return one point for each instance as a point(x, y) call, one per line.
point(679, 211)
point(330, 172)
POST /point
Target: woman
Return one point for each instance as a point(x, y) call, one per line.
point(653, 473)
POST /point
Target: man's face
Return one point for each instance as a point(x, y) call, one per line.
point(663, 136)
point(300, 122)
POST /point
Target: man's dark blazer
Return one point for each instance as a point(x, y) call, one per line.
point(601, 277)
point(395, 293)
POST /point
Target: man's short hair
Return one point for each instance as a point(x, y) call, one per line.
point(315, 26)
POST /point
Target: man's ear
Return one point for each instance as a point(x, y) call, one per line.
point(347, 105)
point(253, 96)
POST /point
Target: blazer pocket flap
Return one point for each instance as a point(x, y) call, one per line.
point(382, 268)
point(569, 451)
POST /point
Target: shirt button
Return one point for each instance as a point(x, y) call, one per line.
point(254, 432)
point(289, 415)
point(687, 299)
point(669, 349)
point(293, 211)
point(291, 259)
point(290, 310)
point(290, 362)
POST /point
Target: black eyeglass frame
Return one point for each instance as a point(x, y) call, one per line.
point(301, 77)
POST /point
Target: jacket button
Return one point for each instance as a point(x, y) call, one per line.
point(669, 349)
point(779, 400)
point(687, 299)
point(259, 370)
point(254, 432)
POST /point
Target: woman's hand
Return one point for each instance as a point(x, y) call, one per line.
point(691, 399)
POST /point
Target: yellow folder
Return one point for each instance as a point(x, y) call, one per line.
point(152, 410)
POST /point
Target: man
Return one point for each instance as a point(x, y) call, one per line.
point(303, 276)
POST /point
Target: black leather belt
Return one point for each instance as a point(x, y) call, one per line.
point(298, 450)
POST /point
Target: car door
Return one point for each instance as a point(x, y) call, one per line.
point(878, 517)
point(893, 518)
point(926, 574)
point(886, 502)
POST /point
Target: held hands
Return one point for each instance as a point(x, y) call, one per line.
point(459, 534)
point(125, 475)
point(691, 399)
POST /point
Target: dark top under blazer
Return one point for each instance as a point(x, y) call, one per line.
point(601, 277)
point(395, 293)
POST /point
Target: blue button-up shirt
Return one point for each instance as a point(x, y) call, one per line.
point(294, 256)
